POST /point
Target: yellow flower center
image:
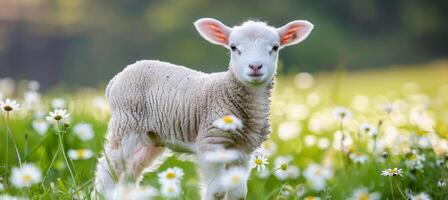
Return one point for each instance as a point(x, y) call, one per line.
point(358, 154)
point(310, 198)
point(364, 197)
point(81, 153)
point(235, 179)
point(227, 119)
point(258, 161)
point(171, 189)
point(170, 175)
point(283, 166)
point(413, 157)
point(27, 178)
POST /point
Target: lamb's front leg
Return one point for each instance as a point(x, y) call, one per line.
point(211, 175)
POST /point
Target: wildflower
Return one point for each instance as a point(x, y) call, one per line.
point(420, 196)
point(31, 99)
point(9, 105)
point(58, 103)
point(221, 156)
point(289, 130)
point(228, 123)
point(171, 175)
point(311, 198)
point(84, 131)
point(25, 176)
point(342, 113)
point(310, 140)
point(171, 190)
point(40, 126)
point(323, 143)
point(259, 161)
point(415, 160)
point(442, 183)
point(58, 115)
point(80, 154)
point(130, 192)
point(368, 129)
point(317, 175)
point(284, 168)
point(362, 193)
point(392, 172)
point(234, 177)
point(358, 157)
point(268, 148)
point(304, 80)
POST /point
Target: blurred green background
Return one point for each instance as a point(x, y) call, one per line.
point(85, 42)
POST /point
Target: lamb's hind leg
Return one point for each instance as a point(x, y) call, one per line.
point(125, 158)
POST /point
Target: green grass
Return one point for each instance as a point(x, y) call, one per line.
point(424, 87)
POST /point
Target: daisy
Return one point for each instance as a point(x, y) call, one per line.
point(58, 103)
point(268, 148)
point(311, 198)
point(40, 126)
point(362, 193)
point(358, 157)
point(25, 176)
point(80, 154)
point(171, 190)
point(258, 161)
point(415, 160)
point(234, 177)
point(342, 113)
point(130, 192)
point(221, 156)
point(392, 172)
point(84, 131)
point(9, 105)
point(228, 123)
point(420, 196)
point(58, 115)
point(284, 169)
point(171, 175)
point(442, 183)
point(317, 175)
point(368, 129)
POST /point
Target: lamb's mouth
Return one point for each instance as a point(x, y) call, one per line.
point(255, 79)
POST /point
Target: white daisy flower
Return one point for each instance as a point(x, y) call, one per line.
point(392, 172)
point(171, 175)
point(420, 196)
point(342, 113)
point(58, 103)
point(415, 160)
point(234, 177)
point(358, 157)
point(284, 169)
point(130, 192)
point(9, 105)
point(171, 190)
point(258, 161)
point(311, 198)
point(317, 176)
point(84, 131)
point(362, 193)
point(268, 148)
point(40, 126)
point(228, 123)
point(58, 115)
point(221, 155)
point(442, 183)
point(323, 143)
point(80, 154)
point(25, 176)
point(368, 129)
point(310, 140)
point(31, 99)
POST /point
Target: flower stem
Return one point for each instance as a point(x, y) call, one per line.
point(9, 134)
point(61, 145)
point(391, 188)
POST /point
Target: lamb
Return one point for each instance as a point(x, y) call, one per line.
point(156, 105)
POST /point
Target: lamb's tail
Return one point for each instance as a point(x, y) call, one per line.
point(109, 85)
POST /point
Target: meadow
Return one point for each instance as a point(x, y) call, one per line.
point(335, 136)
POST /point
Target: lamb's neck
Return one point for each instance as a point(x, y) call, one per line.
point(251, 101)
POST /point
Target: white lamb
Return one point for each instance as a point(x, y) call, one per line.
point(157, 104)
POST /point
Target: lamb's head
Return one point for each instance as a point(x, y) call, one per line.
point(253, 46)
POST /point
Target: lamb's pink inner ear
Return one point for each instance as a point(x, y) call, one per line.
point(217, 33)
point(290, 35)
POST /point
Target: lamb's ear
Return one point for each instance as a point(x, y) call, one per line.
point(213, 31)
point(294, 32)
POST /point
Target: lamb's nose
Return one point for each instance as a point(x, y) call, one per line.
point(255, 67)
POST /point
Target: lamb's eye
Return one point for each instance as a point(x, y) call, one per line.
point(233, 47)
point(275, 47)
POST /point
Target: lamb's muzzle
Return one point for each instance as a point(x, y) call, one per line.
point(157, 105)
